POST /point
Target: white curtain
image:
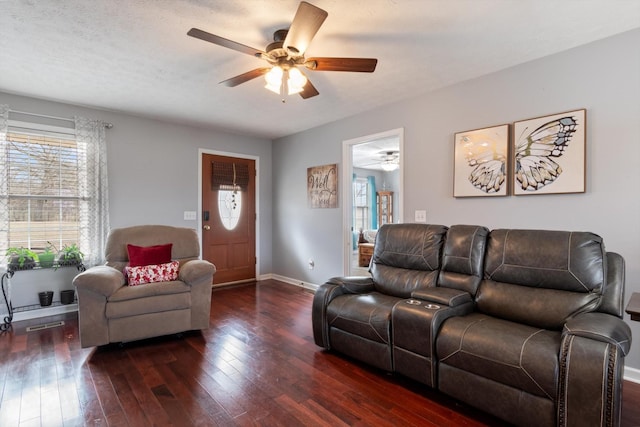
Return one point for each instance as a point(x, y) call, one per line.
point(4, 200)
point(94, 211)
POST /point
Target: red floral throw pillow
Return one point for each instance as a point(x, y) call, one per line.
point(152, 273)
point(149, 255)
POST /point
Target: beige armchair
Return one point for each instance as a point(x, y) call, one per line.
point(111, 311)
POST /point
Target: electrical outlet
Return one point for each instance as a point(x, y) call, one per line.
point(421, 216)
point(190, 215)
point(312, 264)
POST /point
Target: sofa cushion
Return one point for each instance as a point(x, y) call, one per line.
point(365, 315)
point(152, 273)
point(186, 244)
point(537, 307)
point(563, 260)
point(517, 355)
point(149, 255)
point(150, 289)
point(406, 257)
point(463, 258)
point(556, 274)
point(149, 298)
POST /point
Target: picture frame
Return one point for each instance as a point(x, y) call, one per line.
point(322, 186)
point(481, 162)
point(549, 154)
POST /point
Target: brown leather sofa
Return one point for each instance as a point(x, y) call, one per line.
point(523, 324)
point(109, 311)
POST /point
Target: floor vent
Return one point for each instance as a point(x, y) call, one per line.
point(45, 326)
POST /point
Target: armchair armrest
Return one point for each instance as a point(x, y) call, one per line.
point(601, 327)
point(353, 284)
point(102, 280)
point(447, 296)
point(195, 270)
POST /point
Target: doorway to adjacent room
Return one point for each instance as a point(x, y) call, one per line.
point(372, 185)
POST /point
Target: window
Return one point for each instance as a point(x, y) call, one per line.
point(44, 202)
point(53, 184)
point(361, 219)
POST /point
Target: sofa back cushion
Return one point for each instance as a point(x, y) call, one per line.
point(185, 243)
point(463, 257)
point(541, 277)
point(406, 257)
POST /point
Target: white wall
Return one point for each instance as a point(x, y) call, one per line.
point(153, 168)
point(603, 77)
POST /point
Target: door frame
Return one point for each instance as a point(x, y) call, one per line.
point(347, 187)
point(202, 151)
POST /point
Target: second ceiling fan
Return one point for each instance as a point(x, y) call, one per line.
point(286, 54)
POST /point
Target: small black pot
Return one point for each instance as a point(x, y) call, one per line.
point(67, 296)
point(46, 298)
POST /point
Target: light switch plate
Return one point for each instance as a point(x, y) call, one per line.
point(189, 215)
point(421, 216)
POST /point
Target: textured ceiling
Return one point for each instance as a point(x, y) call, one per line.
point(134, 55)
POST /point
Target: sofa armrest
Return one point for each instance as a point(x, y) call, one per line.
point(353, 284)
point(195, 270)
point(102, 280)
point(601, 327)
point(592, 355)
point(447, 296)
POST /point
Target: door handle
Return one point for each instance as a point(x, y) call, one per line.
point(207, 227)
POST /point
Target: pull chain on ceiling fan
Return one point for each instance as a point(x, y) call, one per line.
point(286, 54)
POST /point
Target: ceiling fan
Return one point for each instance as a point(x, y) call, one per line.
point(388, 161)
point(286, 54)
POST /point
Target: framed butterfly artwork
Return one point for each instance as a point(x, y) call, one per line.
point(549, 154)
point(481, 162)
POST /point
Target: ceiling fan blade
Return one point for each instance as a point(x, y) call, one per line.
point(304, 26)
point(309, 90)
point(359, 65)
point(221, 41)
point(245, 77)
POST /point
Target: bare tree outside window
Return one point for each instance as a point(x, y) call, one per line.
point(43, 196)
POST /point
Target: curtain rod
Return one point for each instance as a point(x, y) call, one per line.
point(106, 125)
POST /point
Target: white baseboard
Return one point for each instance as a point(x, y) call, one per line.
point(44, 312)
point(295, 282)
point(632, 374)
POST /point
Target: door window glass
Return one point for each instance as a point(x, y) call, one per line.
point(229, 207)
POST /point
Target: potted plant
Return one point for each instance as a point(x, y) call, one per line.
point(70, 255)
point(21, 258)
point(47, 257)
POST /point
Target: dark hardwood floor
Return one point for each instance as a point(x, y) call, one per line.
point(256, 365)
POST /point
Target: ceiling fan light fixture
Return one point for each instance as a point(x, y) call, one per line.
point(274, 79)
point(282, 82)
point(389, 165)
point(297, 80)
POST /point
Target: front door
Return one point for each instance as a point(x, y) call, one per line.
point(229, 217)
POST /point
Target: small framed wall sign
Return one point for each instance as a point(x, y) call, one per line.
point(322, 186)
point(549, 154)
point(481, 162)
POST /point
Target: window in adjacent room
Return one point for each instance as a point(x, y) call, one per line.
point(361, 197)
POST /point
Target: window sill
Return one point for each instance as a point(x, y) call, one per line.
point(12, 269)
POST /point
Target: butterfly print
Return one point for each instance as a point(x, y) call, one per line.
point(488, 172)
point(534, 153)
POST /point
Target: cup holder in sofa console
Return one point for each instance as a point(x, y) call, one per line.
point(432, 306)
point(413, 302)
